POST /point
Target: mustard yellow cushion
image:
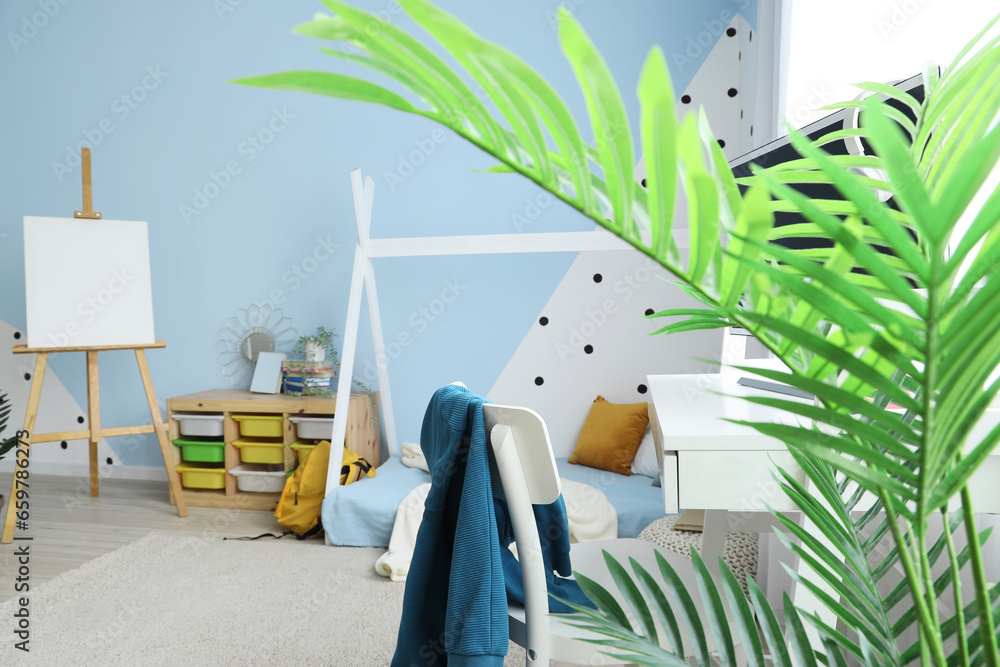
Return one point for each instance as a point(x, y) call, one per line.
point(611, 436)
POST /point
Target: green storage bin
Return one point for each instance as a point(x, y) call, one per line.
point(202, 450)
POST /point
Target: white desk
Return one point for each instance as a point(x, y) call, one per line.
point(712, 464)
point(715, 465)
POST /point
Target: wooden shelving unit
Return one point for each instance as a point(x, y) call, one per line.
point(363, 435)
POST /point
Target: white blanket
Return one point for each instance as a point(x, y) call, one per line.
point(413, 457)
point(395, 562)
point(590, 517)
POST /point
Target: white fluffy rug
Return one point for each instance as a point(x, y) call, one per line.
point(186, 601)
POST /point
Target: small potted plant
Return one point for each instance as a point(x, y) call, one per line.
point(315, 363)
point(317, 347)
point(318, 365)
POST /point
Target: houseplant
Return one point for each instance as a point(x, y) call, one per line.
point(317, 347)
point(846, 320)
point(315, 362)
point(314, 349)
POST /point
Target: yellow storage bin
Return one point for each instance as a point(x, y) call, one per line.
point(303, 449)
point(259, 426)
point(260, 451)
point(202, 476)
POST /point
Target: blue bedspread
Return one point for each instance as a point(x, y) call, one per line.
point(362, 514)
point(637, 501)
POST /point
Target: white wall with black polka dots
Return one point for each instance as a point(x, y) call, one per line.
point(58, 412)
point(593, 337)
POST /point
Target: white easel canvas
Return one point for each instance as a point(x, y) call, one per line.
point(87, 282)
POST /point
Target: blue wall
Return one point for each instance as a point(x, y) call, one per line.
point(146, 85)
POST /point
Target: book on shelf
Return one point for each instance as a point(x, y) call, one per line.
point(298, 376)
point(298, 384)
point(309, 367)
point(310, 382)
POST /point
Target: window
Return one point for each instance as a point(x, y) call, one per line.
point(832, 45)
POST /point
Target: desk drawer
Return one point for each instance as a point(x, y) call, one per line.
point(733, 480)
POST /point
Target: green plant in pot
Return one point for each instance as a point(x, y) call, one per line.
point(899, 347)
point(317, 347)
point(320, 347)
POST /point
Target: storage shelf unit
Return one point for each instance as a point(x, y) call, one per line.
point(363, 435)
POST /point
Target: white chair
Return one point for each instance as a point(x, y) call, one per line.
point(528, 476)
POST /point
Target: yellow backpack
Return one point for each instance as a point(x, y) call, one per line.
point(353, 468)
point(302, 498)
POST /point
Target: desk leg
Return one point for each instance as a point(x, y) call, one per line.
point(93, 417)
point(161, 433)
point(29, 425)
point(713, 540)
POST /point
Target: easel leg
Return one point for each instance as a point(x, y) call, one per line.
point(93, 417)
point(34, 395)
point(161, 433)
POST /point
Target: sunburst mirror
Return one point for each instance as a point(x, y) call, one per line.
point(259, 328)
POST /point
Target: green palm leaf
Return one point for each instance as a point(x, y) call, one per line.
point(608, 117)
point(895, 337)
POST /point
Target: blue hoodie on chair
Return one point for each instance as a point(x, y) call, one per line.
point(455, 603)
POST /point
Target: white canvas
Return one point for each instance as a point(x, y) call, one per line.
point(87, 282)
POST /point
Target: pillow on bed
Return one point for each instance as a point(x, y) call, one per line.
point(645, 462)
point(611, 436)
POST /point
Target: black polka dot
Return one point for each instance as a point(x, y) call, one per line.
point(17, 335)
point(731, 32)
point(79, 420)
point(722, 143)
point(539, 381)
point(685, 99)
point(751, 35)
point(731, 92)
point(643, 182)
point(649, 311)
point(642, 388)
point(543, 320)
point(598, 277)
point(751, 130)
point(64, 444)
point(589, 349)
point(27, 376)
point(109, 460)
point(741, 113)
point(739, 56)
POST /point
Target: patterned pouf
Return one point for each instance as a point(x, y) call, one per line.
point(740, 553)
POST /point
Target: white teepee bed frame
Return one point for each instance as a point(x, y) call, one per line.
point(364, 276)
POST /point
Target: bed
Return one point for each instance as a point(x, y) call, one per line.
point(362, 514)
point(634, 497)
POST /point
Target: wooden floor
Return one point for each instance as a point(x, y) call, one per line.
point(69, 527)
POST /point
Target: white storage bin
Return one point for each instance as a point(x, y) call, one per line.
point(257, 478)
point(316, 428)
point(199, 423)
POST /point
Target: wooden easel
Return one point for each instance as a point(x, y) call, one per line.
point(95, 432)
